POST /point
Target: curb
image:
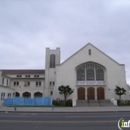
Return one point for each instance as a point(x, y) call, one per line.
point(61, 111)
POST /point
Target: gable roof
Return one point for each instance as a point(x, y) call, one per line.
point(95, 48)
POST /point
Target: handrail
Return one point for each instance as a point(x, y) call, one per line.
point(99, 100)
point(88, 100)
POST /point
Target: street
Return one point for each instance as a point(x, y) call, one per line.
point(61, 121)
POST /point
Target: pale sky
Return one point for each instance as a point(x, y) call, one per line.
point(27, 27)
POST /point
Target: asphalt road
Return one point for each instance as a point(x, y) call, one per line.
point(61, 121)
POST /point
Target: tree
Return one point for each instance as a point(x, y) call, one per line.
point(66, 91)
point(120, 91)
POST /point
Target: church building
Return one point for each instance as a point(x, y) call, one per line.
point(90, 72)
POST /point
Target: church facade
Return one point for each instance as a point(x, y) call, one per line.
point(91, 73)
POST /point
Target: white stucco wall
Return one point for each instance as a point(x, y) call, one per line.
point(65, 74)
point(50, 73)
point(4, 87)
point(24, 75)
point(32, 88)
point(6, 90)
point(4, 80)
point(115, 73)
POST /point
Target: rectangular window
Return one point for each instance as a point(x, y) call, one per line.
point(38, 83)
point(3, 81)
point(26, 84)
point(16, 83)
point(9, 95)
point(36, 76)
point(2, 96)
point(89, 51)
point(51, 93)
point(7, 82)
point(52, 83)
point(27, 76)
point(19, 76)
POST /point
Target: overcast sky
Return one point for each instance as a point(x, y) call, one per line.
point(27, 27)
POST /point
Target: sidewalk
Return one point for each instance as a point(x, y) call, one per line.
point(64, 109)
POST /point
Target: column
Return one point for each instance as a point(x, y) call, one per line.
point(95, 93)
point(21, 94)
point(86, 95)
point(32, 95)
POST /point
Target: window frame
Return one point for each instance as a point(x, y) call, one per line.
point(52, 61)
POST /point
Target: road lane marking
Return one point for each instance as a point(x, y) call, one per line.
point(89, 116)
point(6, 115)
point(79, 121)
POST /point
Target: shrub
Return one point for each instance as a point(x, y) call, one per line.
point(123, 102)
point(69, 102)
point(62, 102)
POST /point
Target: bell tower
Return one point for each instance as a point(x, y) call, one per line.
point(52, 60)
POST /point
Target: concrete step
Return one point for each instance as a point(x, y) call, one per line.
point(106, 103)
point(82, 103)
point(94, 103)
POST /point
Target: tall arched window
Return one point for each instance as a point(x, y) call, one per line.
point(99, 74)
point(81, 73)
point(52, 61)
point(90, 71)
point(90, 74)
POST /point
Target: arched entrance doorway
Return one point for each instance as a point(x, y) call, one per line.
point(26, 95)
point(37, 95)
point(100, 93)
point(17, 94)
point(91, 93)
point(81, 93)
